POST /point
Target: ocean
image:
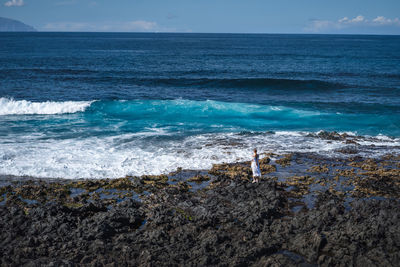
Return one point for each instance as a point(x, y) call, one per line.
point(107, 105)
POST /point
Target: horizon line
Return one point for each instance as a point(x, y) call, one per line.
point(242, 33)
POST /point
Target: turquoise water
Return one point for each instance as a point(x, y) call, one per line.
point(100, 105)
point(183, 117)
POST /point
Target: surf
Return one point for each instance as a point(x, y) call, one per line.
point(9, 106)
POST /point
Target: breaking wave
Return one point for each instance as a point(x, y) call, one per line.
point(21, 107)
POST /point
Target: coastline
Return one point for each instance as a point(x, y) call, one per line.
point(308, 209)
point(132, 149)
point(158, 152)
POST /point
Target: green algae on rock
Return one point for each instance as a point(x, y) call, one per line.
point(285, 160)
point(199, 178)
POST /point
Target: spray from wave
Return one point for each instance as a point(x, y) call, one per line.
point(24, 107)
point(138, 154)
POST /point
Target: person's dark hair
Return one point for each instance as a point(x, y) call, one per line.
point(255, 150)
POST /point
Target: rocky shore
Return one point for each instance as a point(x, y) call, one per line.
point(307, 211)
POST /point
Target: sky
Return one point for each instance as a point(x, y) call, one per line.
point(211, 16)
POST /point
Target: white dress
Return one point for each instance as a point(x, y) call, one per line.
point(255, 167)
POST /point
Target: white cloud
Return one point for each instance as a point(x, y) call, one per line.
point(14, 3)
point(127, 26)
point(381, 20)
point(358, 19)
point(343, 20)
point(316, 26)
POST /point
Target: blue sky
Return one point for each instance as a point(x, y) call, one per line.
point(235, 16)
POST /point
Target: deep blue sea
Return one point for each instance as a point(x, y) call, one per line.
point(95, 105)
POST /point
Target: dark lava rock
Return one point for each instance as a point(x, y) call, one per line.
point(347, 150)
point(231, 223)
point(330, 135)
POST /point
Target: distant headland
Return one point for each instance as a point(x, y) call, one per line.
point(11, 25)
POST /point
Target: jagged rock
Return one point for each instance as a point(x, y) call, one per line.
point(230, 222)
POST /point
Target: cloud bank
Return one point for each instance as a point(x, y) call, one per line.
point(347, 24)
point(127, 26)
point(14, 3)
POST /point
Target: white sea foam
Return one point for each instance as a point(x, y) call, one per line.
point(20, 107)
point(129, 154)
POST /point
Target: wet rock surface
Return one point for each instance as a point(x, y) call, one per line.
point(306, 211)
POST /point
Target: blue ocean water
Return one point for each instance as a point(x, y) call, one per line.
point(100, 105)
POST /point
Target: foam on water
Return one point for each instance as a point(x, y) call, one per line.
point(118, 156)
point(135, 137)
point(258, 96)
point(14, 107)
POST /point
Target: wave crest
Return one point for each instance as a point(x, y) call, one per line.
point(24, 107)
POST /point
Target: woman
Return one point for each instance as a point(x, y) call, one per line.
point(255, 167)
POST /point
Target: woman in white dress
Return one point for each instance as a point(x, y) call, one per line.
point(255, 167)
